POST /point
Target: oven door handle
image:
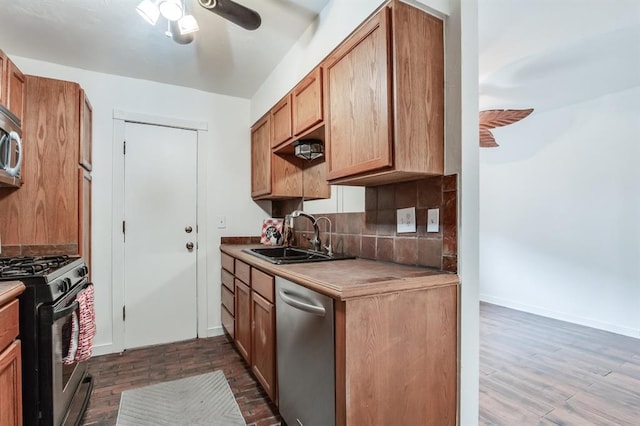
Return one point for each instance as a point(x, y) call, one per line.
point(65, 312)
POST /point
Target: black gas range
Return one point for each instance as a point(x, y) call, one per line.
point(53, 392)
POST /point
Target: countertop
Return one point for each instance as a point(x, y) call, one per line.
point(349, 278)
point(9, 290)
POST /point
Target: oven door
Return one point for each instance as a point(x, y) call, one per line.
point(59, 382)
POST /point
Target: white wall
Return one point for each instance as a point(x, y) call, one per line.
point(228, 175)
point(560, 214)
point(336, 21)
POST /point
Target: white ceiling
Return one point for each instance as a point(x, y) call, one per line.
point(533, 53)
point(109, 36)
point(546, 54)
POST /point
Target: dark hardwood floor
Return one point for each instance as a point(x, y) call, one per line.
point(533, 371)
point(140, 367)
point(539, 371)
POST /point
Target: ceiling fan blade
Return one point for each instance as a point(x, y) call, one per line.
point(234, 12)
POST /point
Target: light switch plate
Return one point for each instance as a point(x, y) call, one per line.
point(433, 220)
point(406, 220)
point(222, 222)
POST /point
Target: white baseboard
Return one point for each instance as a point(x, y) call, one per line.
point(104, 349)
point(215, 331)
point(588, 322)
point(110, 348)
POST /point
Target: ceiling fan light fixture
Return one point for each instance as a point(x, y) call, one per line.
point(172, 10)
point(149, 10)
point(187, 25)
point(308, 149)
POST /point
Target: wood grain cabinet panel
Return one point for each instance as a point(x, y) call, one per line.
point(8, 323)
point(243, 320)
point(261, 157)
point(359, 101)
point(3, 78)
point(410, 340)
point(384, 96)
point(228, 262)
point(15, 90)
point(263, 343)
point(272, 176)
point(11, 385)
point(307, 102)
point(86, 131)
point(281, 127)
point(51, 213)
point(10, 366)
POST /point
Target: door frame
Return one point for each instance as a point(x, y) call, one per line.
point(120, 118)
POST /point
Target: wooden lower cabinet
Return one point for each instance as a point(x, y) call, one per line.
point(263, 344)
point(396, 354)
point(243, 319)
point(10, 362)
point(11, 386)
point(396, 358)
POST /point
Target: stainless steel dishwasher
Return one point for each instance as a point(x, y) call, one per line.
point(306, 356)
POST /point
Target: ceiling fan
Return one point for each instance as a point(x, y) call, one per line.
point(492, 118)
point(181, 26)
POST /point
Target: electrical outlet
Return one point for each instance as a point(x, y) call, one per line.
point(433, 220)
point(222, 222)
point(406, 220)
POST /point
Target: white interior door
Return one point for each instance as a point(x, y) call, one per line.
point(160, 198)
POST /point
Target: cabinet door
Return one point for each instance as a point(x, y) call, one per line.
point(359, 101)
point(307, 102)
point(243, 320)
point(263, 343)
point(281, 130)
point(15, 90)
point(261, 158)
point(86, 120)
point(11, 386)
point(84, 216)
point(3, 78)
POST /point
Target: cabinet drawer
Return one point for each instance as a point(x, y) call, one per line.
point(262, 284)
point(243, 272)
point(228, 322)
point(227, 279)
point(227, 299)
point(8, 324)
point(227, 262)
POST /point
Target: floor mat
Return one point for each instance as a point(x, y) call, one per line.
point(199, 400)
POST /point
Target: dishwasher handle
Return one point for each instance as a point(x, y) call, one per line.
point(303, 305)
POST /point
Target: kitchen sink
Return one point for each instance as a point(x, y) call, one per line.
point(287, 255)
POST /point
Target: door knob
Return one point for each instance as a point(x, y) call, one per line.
point(189, 246)
point(188, 229)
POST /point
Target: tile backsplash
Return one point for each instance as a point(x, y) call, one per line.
point(372, 233)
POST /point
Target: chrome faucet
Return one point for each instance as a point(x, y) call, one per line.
point(315, 242)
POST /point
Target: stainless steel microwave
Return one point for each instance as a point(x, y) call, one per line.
point(10, 149)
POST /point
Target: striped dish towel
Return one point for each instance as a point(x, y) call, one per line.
point(87, 323)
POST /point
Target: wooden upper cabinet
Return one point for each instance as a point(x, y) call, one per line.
point(261, 157)
point(281, 130)
point(86, 120)
point(272, 176)
point(359, 101)
point(384, 95)
point(306, 100)
point(12, 87)
point(4, 61)
point(51, 212)
point(15, 90)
